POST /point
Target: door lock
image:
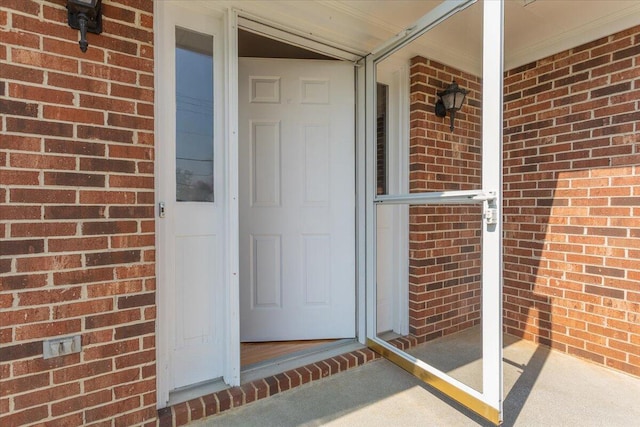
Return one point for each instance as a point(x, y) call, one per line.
point(161, 210)
point(491, 215)
point(491, 212)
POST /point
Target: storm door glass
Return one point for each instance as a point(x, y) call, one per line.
point(194, 116)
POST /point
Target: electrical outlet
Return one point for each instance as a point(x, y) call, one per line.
point(61, 346)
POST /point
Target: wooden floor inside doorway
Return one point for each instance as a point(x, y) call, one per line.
point(256, 352)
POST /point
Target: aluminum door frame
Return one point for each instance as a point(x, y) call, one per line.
point(487, 403)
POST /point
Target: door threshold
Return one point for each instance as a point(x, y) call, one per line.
point(342, 356)
point(297, 359)
point(267, 368)
point(194, 391)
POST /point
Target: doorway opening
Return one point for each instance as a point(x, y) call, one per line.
point(264, 263)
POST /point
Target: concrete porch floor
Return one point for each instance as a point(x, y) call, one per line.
point(542, 388)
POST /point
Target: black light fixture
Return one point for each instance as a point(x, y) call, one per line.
point(85, 15)
point(451, 100)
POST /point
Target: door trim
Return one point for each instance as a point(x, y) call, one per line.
point(238, 19)
point(232, 363)
point(261, 26)
point(162, 333)
point(398, 169)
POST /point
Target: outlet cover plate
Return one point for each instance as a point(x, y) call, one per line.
point(61, 346)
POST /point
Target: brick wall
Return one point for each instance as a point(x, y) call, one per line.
point(572, 201)
point(77, 208)
point(444, 242)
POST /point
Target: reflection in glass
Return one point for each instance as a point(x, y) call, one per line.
point(194, 116)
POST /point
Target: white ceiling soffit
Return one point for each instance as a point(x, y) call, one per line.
point(533, 30)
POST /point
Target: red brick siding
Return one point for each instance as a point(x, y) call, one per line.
point(572, 201)
point(76, 202)
point(444, 241)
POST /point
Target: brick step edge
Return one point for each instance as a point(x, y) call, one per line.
point(234, 397)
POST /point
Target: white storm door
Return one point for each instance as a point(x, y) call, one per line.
point(489, 401)
point(296, 199)
point(191, 194)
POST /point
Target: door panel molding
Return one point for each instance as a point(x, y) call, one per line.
point(314, 153)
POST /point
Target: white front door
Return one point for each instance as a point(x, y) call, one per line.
point(297, 199)
point(191, 193)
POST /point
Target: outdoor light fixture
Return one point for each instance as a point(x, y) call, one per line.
point(85, 15)
point(451, 99)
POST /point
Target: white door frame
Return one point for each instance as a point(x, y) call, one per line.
point(397, 80)
point(231, 328)
point(232, 363)
point(487, 403)
point(242, 19)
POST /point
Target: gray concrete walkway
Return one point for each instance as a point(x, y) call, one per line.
point(542, 388)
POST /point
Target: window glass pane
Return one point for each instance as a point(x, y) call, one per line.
point(438, 158)
point(194, 116)
point(429, 256)
point(442, 289)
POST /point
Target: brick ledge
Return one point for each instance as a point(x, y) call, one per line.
point(215, 403)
